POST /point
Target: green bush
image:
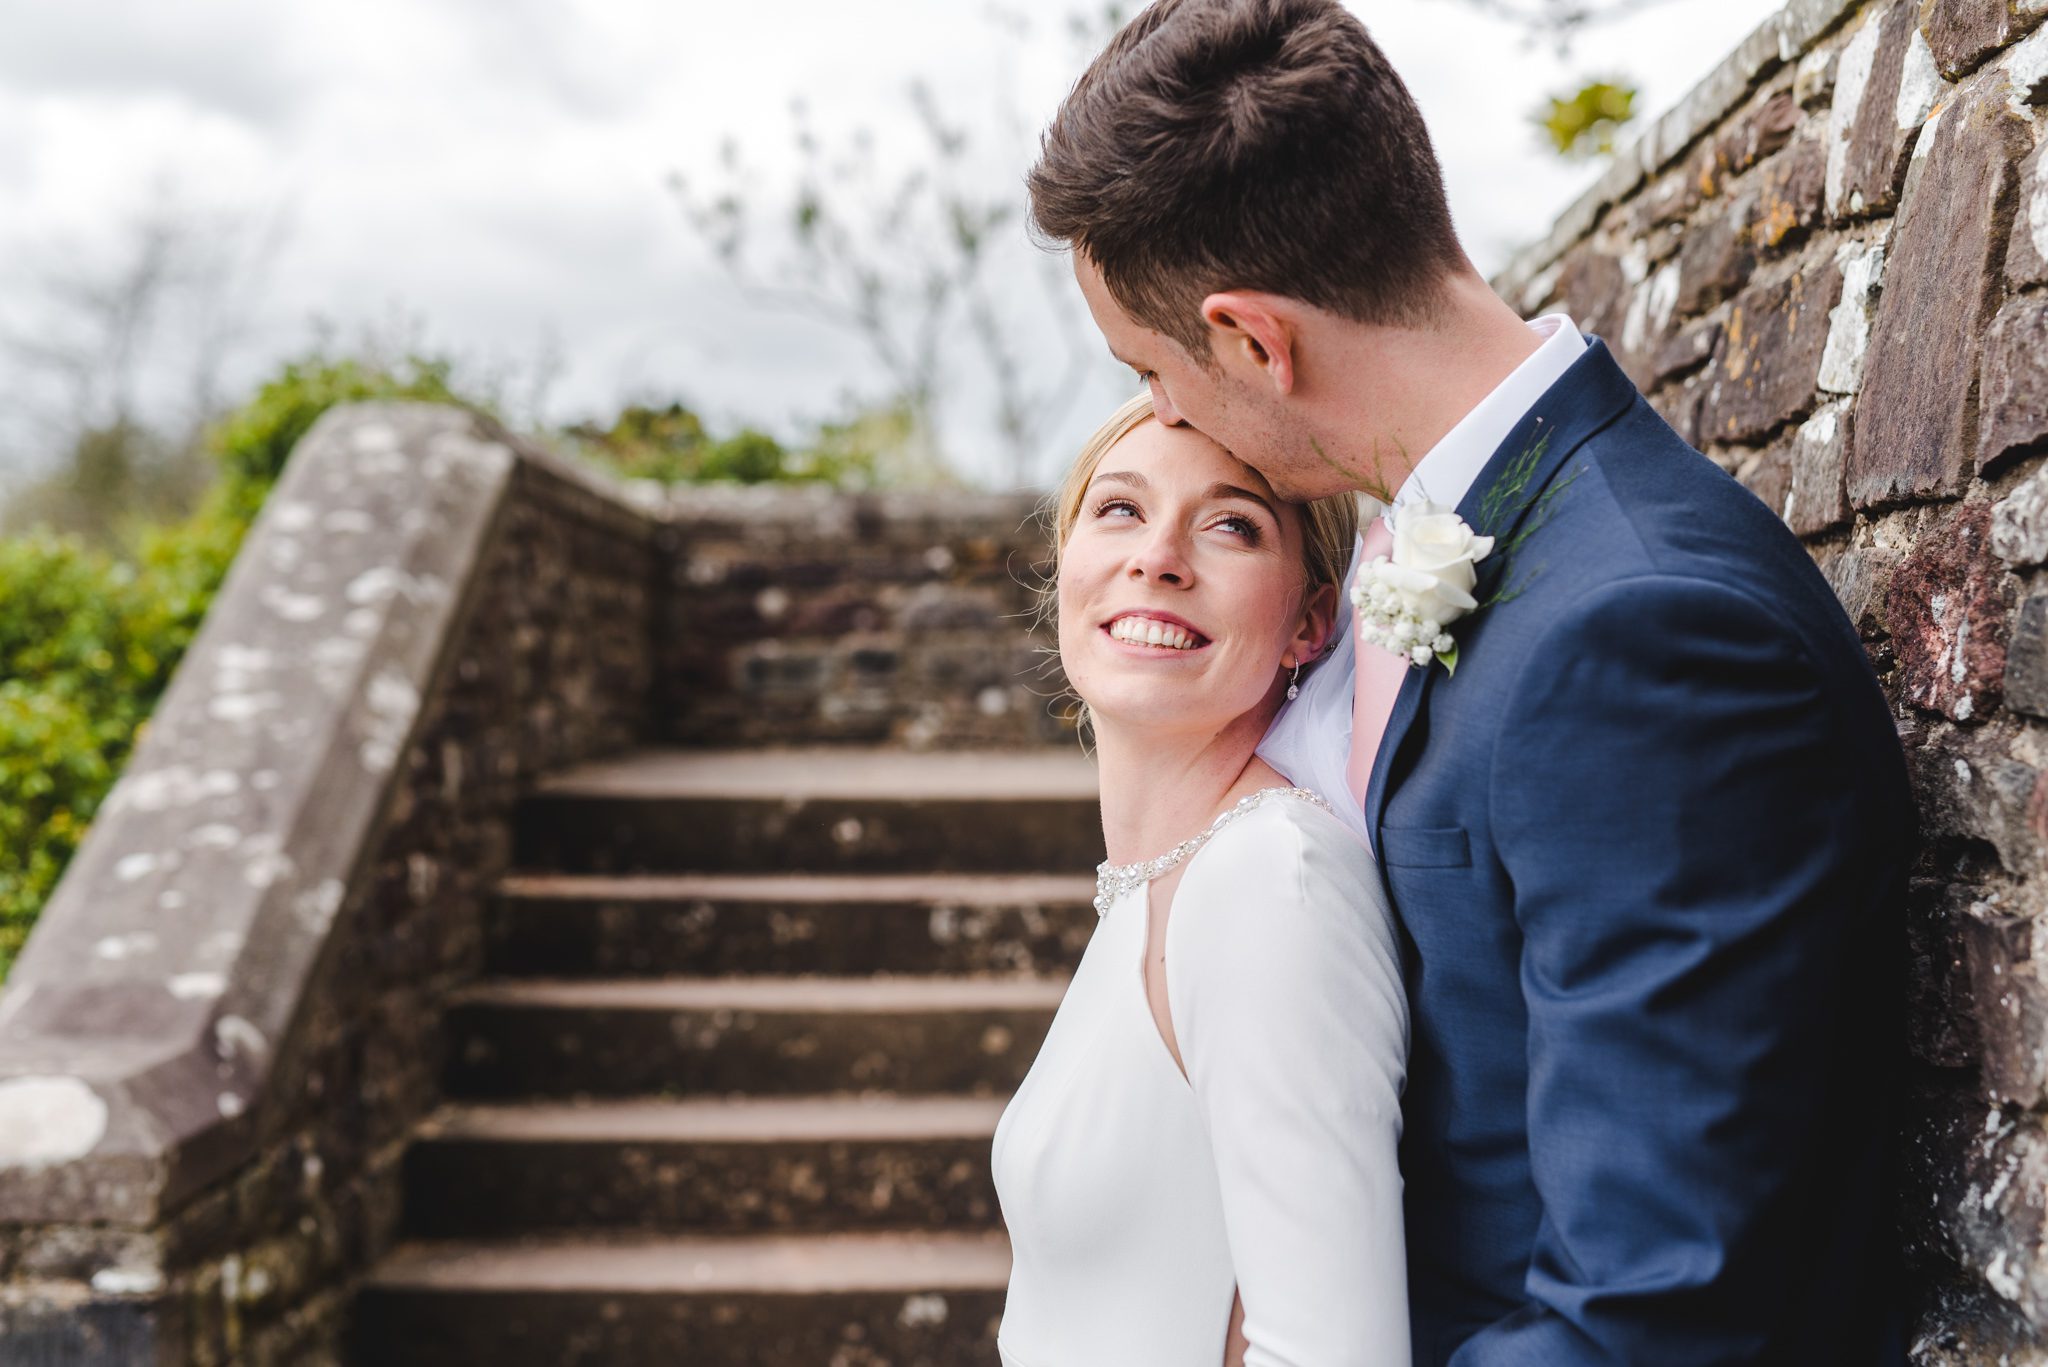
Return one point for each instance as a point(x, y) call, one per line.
point(672, 446)
point(88, 641)
point(253, 442)
point(83, 657)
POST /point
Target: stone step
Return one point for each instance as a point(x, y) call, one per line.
point(710, 1036)
point(821, 811)
point(740, 1166)
point(909, 1300)
point(566, 925)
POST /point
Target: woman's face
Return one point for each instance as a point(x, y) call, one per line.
point(1180, 586)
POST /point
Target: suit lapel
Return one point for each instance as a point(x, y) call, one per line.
point(1588, 396)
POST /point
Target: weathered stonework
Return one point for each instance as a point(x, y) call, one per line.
point(229, 1019)
point(1841, 360)
point(2026, 660)
point(1962, 33)
point(1947, 608)
point(1789, 196)
point(1918, 410)
point(798, 616)
point(1716, 260)
point(1884, 87)
point(2013, 398)
point(1771, 346)
point(2019, 522)
point(1907, 448)
point(2026, 261)
point(1818, 496)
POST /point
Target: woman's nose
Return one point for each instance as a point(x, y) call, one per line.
point(1163, 558)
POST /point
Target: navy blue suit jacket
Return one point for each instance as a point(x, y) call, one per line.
point(1648, 849)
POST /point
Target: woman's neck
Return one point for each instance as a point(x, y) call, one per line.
point(1160, 788)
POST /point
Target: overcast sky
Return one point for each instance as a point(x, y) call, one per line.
point(494, 173)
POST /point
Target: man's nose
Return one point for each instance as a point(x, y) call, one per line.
point(1162, 407)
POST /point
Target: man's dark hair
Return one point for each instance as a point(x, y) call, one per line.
point(1247, 144)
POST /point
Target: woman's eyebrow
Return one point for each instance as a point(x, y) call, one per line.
point(1237, 491)
point(1130, 477)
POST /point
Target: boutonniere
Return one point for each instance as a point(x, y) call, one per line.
point(1407, 601)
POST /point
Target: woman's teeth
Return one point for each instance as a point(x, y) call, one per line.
point(1146, 632)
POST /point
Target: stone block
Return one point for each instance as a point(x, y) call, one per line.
point(1962, 33)
point(772, 669)
point(1666, 202)
point(1687, 350)
point(1651, 308)
point(2026, 62)
point(1841, 360)
point(1764, 132)
point(1946, 607)
point(1768, 475)
point(2001, 1221)
point(1680, 405)
point(2026, 659)
point(1817, 498)
point(1813, 80)
point(1915, 420)
point(1885, 85)
point(1763, 373)
point(1593, 290)
point(1968, 786)
point(2010, 1003)
point(2019, 523)
point(2026, 260)
point(1716, 260)
point(1860, 577)
point(1940, 1031)
point(2012, 406)
point(1789, 195)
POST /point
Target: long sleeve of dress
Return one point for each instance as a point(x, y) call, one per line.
point(1284, 984)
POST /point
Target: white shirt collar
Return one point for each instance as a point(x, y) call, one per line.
point(1446, 474)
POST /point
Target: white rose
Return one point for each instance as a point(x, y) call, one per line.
point(1435, 553)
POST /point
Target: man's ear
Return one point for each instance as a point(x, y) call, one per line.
point(1252, 332)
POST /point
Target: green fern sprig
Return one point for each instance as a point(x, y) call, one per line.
point(1374, 486)
point(1514, 481)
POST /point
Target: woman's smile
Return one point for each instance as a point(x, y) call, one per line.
point(1154, 633)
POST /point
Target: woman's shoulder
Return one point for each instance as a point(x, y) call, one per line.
point(1281, 909)
point(1295, 824)
point(1285, 847)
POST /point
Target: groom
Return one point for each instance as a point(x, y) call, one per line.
point(1648, 842)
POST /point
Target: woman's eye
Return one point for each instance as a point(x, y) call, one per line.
point(1242, 526)
point(1116, 507)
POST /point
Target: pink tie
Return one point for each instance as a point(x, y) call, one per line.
point(1376, 682)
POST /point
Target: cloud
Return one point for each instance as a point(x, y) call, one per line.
point(232, 56)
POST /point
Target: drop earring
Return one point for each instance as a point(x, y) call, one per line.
point(1294, 684)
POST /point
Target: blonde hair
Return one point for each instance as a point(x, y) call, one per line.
point(1328, 525)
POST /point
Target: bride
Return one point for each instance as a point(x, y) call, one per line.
point(1199, 1167)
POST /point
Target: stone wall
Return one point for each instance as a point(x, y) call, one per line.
point(226, 1023)
point(798, 616)
point(1829, 270)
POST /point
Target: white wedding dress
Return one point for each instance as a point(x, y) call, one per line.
point(1138, 1198)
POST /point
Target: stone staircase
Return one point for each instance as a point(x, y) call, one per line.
point(726, 1093)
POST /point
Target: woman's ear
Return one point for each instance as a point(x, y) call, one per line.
point(1318, 617)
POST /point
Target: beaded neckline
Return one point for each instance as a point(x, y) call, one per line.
point(1114, 880)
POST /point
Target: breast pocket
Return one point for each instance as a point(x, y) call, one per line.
point(1425, 847)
